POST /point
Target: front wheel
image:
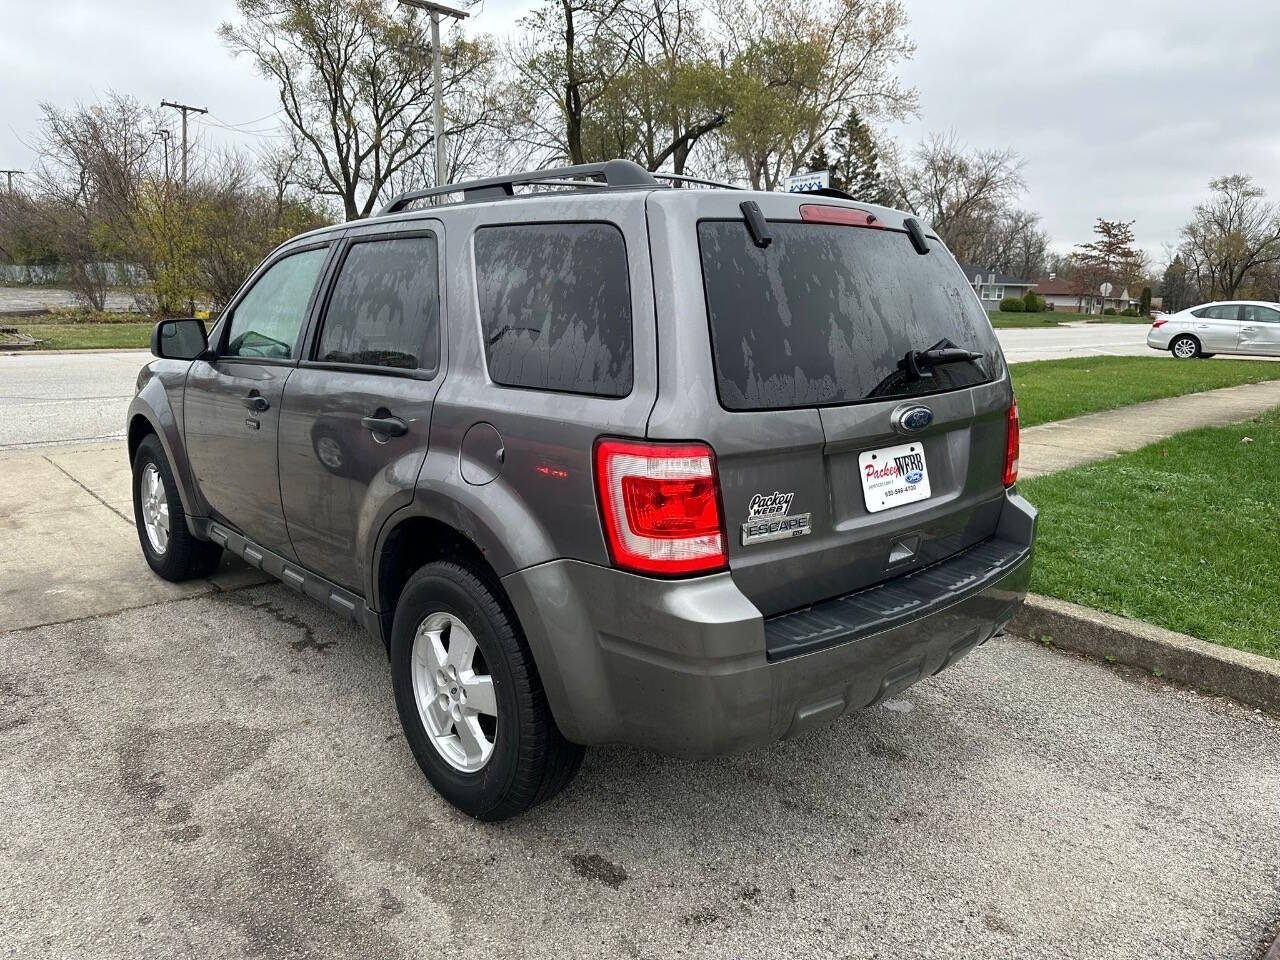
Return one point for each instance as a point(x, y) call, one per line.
point(170, 548)
point(1185, 347)
point(470, 701)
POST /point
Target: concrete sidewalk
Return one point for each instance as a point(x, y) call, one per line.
point(68, 544)
point(1063, 444)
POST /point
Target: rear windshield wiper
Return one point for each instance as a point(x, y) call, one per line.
point(917, 364)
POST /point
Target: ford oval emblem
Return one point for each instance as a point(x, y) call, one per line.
point(914, 419)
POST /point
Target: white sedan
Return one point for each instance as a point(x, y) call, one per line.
point(1246, 327)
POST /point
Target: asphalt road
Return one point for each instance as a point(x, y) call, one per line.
point(224, 776)
point(59, 398)
point(72, 397)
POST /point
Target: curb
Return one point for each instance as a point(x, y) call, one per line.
point(1249, 678)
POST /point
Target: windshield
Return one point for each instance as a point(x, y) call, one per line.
point(827, 313)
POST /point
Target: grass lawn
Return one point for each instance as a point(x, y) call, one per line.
point(71, 336)
point(1184, 533)
point(1003, 321)
point(1144, 321)
point(1057, 389)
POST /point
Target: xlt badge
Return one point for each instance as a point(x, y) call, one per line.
point(768, 518)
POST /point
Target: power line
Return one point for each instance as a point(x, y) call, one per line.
point(185, 109)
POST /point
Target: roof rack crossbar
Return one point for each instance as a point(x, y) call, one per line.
point(616, 173)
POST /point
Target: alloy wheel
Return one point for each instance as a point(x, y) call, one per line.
point(155, 509)
point(454, 692)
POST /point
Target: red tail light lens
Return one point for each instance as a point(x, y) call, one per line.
point(845, 216)
point(1013, 442)
point(1157, 324)
point(661, 506)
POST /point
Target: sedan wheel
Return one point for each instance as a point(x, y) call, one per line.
point(1185, 348)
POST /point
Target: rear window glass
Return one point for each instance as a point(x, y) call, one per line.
point(555, 306)
point(826, 313)
point(385, 307)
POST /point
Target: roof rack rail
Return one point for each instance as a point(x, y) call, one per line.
point(681, 178)
point(616, 173)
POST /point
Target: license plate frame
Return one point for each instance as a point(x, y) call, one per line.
point(889, 476)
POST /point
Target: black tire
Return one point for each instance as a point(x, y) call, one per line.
point(183, 557)
point(1191, 353)
point(531, 761)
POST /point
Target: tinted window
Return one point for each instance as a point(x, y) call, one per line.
point(1225, 311)
point(555, 306)
point(266, 323)
point(385, 306)
point(826, 314)
point(1254, 314)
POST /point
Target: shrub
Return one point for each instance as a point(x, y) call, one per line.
point(1012, 305)
point(1109, 312)
point(1033, 303)
point(1129, 312)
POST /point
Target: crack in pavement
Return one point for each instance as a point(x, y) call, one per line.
point(91, 493)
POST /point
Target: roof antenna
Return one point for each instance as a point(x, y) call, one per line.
point(756, 223)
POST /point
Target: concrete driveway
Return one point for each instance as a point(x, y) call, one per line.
point(208, 771)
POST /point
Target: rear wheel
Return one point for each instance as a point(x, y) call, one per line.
point(1185, 347)
point(470, 701)
point(171, 549)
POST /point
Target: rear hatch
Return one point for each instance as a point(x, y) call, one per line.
point(840, 465)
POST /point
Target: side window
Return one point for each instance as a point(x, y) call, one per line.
point(555, 307)
point(1254, 314)
point(385, 307)
point(1224, 311)
point(1200, 313)
point(266, 323)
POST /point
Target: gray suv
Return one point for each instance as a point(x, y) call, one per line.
point(603, 461)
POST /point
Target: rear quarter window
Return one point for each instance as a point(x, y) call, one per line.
point(555, 307)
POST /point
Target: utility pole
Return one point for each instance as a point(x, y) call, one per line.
point(165, 135)
point(11, 174)
point(437, 10)
point(185, 109)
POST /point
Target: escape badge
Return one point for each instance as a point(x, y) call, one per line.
point(768, 518)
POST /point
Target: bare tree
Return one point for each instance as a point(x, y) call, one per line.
point(1236, 232)
point(353, 78)
point(93, 163)
point(795, 71)
point(956, 189)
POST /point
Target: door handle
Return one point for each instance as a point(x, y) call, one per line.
point(387, 426)
point(255, 401)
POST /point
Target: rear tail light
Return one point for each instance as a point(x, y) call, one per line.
point(1157, 324)
point(661, 506)
point(1011, 445)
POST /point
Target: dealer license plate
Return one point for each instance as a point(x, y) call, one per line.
point(892, 476)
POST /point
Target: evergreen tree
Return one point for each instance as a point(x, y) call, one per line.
point(856, 169)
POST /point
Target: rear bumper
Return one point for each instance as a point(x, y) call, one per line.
point(684, 667)
point(1158, 337)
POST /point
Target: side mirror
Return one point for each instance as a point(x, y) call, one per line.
point(179, 340)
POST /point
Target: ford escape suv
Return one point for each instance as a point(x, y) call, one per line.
point(602, 461)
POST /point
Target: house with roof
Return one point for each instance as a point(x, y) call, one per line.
point(992, 285)
point(1062, 293)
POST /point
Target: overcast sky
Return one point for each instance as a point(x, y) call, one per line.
point(1122, 108)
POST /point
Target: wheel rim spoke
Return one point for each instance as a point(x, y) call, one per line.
point(479, 695)
point(474, 744)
